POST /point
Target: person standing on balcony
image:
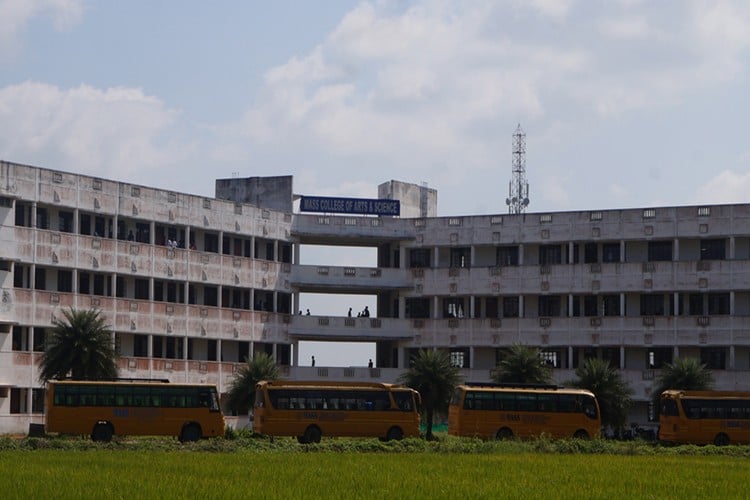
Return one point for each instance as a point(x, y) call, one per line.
point(312, 362)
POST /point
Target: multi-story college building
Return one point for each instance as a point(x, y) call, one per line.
point(192, 285)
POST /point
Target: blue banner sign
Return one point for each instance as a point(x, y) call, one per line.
point(361, 206)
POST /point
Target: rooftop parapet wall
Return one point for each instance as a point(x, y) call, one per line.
point(106, 197)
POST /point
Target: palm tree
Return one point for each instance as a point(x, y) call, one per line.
point(241, 396)
point(434, 376)
point(80, 345)
point(687, 374)
point(522, 365)
point(611, 391)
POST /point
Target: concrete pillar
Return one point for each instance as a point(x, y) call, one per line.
point(571, 253)
point(731, 357)
point(570, 305)
point(76, 222)
point(520, 255)
point(676, 250)
point(622, 357)
point(731, 247)
point(622, 250)
point(436, 308)
point(570, 357)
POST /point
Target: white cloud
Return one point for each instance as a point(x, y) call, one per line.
point(118, 132)
point(16, 14)
point(631, 27)
point(726, 187)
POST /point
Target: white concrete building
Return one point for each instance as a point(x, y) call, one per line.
point(638, 287)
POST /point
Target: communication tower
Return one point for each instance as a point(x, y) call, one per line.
point(518, 188)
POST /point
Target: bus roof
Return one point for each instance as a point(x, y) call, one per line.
point(530, 388)
point(327, 384)
point(706, 394)
point(143, 382)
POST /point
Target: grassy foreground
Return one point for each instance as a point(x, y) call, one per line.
point(107, 472)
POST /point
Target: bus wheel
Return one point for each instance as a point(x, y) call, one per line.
point(721, 439)
point(504, 434)
point(102, 432)
point(191, 432)
point(312, 435)
point(581, 434)
point(394, 434)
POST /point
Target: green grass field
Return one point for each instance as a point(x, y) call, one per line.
point(288, 471)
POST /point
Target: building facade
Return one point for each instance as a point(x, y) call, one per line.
point(192, 286)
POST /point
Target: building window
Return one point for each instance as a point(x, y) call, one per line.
point(42, 220)
point(610, 305)
point(718, 304)
point(714, 358)
point(140, 346)
point(18, 403)
point(659, 251)
point(611, 355)
point(419, 257)
point(551, 358)
point(211, 242)
point(550, 254)
point(64, 281)
point(590, 306)
point(713, 249)
point(491, 308)
point(453, 307)
point(460, 257)
point(652, 305)
point(507, 255)
point(40, 337)
point(549, 305)
point(511, 307)
point(417, 307)
point(460, 359)
point(66, 222)
point(141, 289)
point(37, 400)
point(658, 357)
point(590, 255)
point(20, 338)
point(610, 252)
point(695, 304)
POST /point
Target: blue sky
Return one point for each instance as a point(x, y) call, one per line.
point(625, 103)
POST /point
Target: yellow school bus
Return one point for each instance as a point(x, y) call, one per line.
point(310, 410)
point(503, 411)
point(704, 417)
point(142, 408)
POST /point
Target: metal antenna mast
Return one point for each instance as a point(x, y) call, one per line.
point(518, 188)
